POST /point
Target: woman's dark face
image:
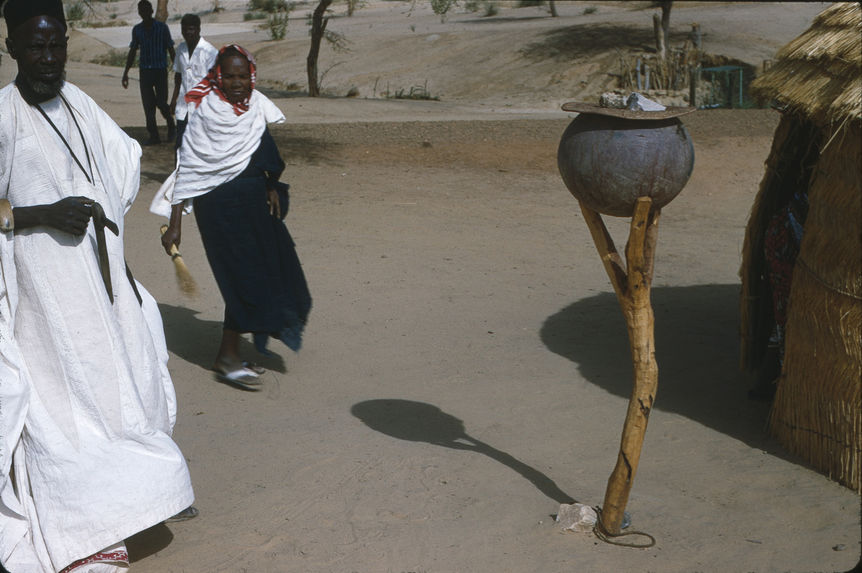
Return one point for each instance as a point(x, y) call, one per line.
point(236, 78)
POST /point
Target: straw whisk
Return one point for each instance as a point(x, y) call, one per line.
point(185, 280)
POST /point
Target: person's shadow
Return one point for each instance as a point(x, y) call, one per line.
point(697, 350)
point(196, 340)
point(421, 422)
point(148, 542)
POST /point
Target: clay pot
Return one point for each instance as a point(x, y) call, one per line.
point(608, 162)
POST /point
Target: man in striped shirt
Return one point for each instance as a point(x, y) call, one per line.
point(154, 40)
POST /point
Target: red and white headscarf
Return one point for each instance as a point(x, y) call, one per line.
point(219, 140)
point(212, 82)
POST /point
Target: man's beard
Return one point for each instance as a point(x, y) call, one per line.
point(36, 91)
point(48, 89)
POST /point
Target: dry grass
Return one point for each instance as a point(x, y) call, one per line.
point(817, 411)
point(819, 74)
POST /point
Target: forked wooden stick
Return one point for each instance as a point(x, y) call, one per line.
point(185, 280)
point(632, 286)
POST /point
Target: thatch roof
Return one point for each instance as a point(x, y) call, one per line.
point(819, 74)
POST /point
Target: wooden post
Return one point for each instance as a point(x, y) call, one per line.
point(632, 286)
point(692, 86)
point(660, 48)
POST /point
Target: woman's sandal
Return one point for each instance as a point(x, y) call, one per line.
point(256, 368)
point(242, 377)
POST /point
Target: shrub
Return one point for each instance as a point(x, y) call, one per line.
point(75, 11)
point(268, 6)
point(416, 92)
point(277, 25)
point(116, 58)
point(442, 7)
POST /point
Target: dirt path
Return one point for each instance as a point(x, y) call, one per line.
point(465, 367)
point(465, 370)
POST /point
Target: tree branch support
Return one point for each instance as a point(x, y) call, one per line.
point(632, 286)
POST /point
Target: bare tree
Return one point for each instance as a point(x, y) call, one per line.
point(661, 27)
point(665, 20)
point(161, 10)
point(552, 6)
point(318, 29)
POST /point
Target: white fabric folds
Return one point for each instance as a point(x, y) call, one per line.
point(86, 402)
point(217, 146)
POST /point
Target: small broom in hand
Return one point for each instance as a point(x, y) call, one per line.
point(184, 277)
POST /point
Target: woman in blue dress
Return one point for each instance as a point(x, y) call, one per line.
point(228, 171)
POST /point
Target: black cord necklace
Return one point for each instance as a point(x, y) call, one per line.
point(69, 147)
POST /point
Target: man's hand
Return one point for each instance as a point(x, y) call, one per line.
point(70, 215)
point(130, 61)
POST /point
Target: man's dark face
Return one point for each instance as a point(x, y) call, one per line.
point(191, 34)
point(145, 11)
point(39, 47)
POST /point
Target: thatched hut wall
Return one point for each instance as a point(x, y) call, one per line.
point(817, 412)
point(817, 83)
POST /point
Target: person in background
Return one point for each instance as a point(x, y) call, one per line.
point(195, 57)
point(154, 40)
point(87, 405)
point(228, 168)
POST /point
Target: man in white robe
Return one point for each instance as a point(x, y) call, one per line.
point(86, 402)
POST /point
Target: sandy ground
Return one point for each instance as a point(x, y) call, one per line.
point(465, 369)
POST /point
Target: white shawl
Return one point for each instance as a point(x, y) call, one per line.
point(217, 146)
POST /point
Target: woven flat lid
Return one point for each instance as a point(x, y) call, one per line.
point(667, 113)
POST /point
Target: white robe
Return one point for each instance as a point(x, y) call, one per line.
point(86, 402)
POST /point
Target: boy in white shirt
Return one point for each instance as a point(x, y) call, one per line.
point(195, 57)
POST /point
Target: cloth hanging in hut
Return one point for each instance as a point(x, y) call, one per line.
point(781, 247)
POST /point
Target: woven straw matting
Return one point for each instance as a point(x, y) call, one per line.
point(818, 73)
point(817, 412)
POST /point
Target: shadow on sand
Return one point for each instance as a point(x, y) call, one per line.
point(196, 340)
point(697, 351)
point(148, 542)
point(159, 159)
point(421, 422)
point(697, 340)
point(575, 43)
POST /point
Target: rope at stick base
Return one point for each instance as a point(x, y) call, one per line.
point(602, 533)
